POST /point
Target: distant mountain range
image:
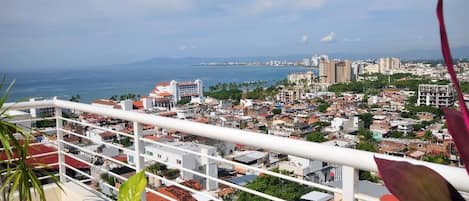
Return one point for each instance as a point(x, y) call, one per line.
point(459, 52)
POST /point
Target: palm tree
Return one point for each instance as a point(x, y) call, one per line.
point(16, 175)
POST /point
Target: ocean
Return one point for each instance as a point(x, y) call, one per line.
point(104, 82)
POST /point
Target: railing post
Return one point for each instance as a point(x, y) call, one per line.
point(349, 183)
point(60, 145)
point(139, 150)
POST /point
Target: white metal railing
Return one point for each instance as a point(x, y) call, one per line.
point(350, 159)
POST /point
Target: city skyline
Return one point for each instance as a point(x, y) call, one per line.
point(63, 34)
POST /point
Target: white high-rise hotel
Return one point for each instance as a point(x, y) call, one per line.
point(175, 91)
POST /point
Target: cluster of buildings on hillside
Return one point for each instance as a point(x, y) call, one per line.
point(292, 113)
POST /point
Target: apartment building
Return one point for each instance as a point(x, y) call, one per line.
point(335, 71)
point(183, 159)
point(436, 95)
point(386, 65)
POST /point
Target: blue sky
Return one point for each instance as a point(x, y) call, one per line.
point(66, 33)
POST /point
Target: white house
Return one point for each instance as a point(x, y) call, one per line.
point(177, 158)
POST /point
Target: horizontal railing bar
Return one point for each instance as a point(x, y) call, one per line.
point(29, 156)
point(100, 155)
point(338, 155)
point(113, 175)
point(344, 156)
point(36, 167)
point(105, 143)
point(48, 176)
point(34, 144)
point(32, 119)
point(27, 105)
point(98, 127)
point(146, 172)
point(187, 170)
point(282, 176)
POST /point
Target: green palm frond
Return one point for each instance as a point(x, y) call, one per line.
point(18, 176)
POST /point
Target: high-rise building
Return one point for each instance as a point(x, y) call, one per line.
point(436, 95)
point(315, 60)
point(386, 65)
point(335, 71)
point(343, 71)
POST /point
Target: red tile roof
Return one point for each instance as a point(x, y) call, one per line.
point(162, 84)
point(47, 159)
point(137, 104)
point(173, 192)
point(104, 102)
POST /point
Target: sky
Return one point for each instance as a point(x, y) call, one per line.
point(68, 33)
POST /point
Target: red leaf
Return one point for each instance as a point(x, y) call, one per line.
point(415, 182)
point(446, 51)
point(460, 134)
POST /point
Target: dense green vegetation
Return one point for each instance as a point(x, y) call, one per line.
point(162, 169)
point(366, 143)
point(184, 101)
point(440, 159)
point(372, 86)
point(316, 136)
point(108, 179)
point(75, 98)
point(367, 119)
point(322, 124)
point(122, 97)
point(277, 111)
point(365, 175)
point(277, 187)
point(236, 91)
point(465, 87)
point(125, 141)
point(323, 105)
point(396, 134)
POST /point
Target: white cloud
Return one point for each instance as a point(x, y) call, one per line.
point(328, 38)
point(304, 38)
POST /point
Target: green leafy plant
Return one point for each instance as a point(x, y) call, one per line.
point(18, 175)
point(133, 188)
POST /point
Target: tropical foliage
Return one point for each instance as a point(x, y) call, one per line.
point(16, 174)
point(274, 186)
point(133, 188)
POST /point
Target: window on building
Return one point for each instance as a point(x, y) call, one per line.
point(178, 162)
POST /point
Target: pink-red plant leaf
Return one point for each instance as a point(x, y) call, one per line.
point(460, 134)
point(458, 122)
point(415, 182)
point(445, 49)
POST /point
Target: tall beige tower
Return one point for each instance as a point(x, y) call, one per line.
point(335, 71)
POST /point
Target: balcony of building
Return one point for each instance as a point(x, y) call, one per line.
point(81, 169)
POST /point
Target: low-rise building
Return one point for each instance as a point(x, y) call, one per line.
point(186, 160)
